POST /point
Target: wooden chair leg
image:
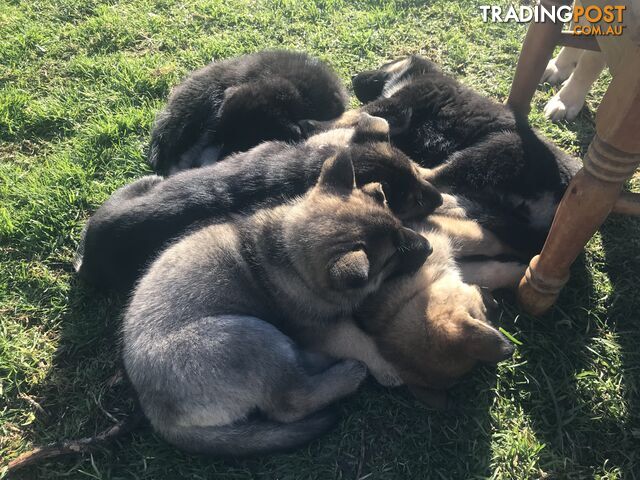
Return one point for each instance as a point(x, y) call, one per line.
point(588, 201)
point(613, 156)
point(536, 52)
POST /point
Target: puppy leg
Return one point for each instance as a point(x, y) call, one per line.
point(452, 206)
point(315, 362)
point(397, 118)
point(469, 237)
point(354, 126)
point(346, 340)
point(308, 394)
point(493, 274)
point(559, 68)
point(567, 103)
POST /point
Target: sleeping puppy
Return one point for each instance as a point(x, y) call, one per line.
point(470, 146)
point(233, 105)
point(207, 334)
point(142, 218)
point(429, 329)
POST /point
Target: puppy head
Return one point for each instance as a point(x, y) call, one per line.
point(371, 84)
point(322, 95)
point(259, 110)
point(409, 195)
point(344, 241)
point(433, 341)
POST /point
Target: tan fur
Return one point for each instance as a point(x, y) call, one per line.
point(494, 274)
point(356, 118)
point(469, 237)
point(397, 66)
point(347, 119)
point(337, 136)
point(346, 340)
point(353, 126)
point(429, 329)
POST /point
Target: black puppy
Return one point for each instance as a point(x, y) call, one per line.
point(233, 105)
point(138, 220)
point(508, 175)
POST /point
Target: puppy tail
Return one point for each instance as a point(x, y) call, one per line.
point(252, 438)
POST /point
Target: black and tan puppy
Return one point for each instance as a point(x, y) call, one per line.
point(429, 329)
point(207, 335)
point(471, 145)
point(142, 218)
point(233, 105)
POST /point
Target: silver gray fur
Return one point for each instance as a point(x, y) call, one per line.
point(206, 337)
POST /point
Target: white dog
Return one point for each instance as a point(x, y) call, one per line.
point(579, 69)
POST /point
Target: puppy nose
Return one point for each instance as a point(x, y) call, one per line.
point(413, 249)
point(490, 303)
point(431, 197)
point(506, 349)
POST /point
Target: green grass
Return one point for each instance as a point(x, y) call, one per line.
point(80, 82)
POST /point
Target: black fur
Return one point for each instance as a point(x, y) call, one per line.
point(138, 220)
point(233, 105)
point(482, 151)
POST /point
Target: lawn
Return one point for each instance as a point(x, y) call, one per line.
point(80, 83)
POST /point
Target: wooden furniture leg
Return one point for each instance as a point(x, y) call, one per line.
point(613, 156)
point(536, 52)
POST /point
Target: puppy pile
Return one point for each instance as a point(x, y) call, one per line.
point(293, 247)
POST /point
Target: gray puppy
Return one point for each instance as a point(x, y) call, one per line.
point(207, 333)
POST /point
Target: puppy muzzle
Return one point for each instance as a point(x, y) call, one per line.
point(412, 251)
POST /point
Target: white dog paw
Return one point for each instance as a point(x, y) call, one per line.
point(557, 72)
point(559, 108)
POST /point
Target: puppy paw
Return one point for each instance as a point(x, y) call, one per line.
point(451, 207)
point(565, 105)
point(355, 370)
point(370, 128)
point(557, 72)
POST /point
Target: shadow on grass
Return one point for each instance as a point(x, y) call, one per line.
point(582, 376)
point(586, 406)
point(383, 433)
point(621, 245)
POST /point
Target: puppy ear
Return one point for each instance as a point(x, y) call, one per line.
point(371, 129)
point(375, 191)
point(397, 115)
point(437, 399)
point(337, 174)
point(369, 85)
point(232, 99)
point(399, 120)
point(482, 342)
point(350, 271)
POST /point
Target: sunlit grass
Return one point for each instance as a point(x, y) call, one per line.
point(80, 83)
